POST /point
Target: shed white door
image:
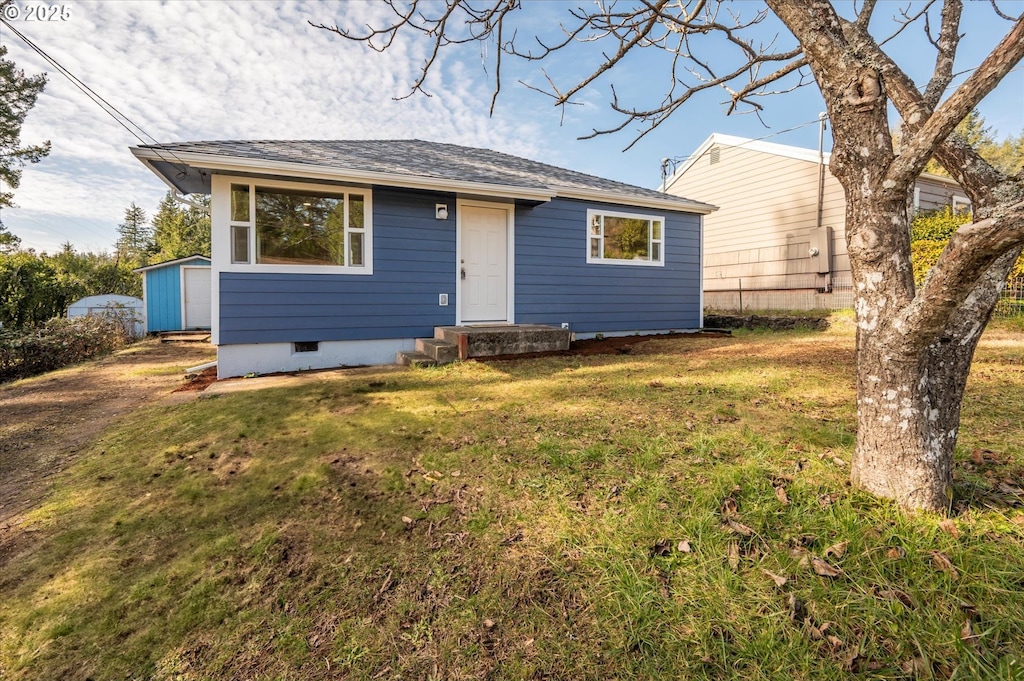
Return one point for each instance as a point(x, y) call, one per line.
point(483, 273)
point(196, 295)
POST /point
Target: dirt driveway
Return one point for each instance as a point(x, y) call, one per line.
point(45, 421)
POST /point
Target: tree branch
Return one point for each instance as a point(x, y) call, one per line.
point(949, 38)
point(917, 150)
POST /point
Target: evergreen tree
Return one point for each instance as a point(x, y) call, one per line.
point(18, 94)
point(180, 231)
point(135, 237)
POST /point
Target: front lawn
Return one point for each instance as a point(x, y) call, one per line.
point(678, 512)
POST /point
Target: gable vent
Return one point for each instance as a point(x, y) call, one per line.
point(716, 155)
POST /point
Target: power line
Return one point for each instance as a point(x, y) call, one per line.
point(121, 119)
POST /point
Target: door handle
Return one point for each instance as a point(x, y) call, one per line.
point(462, 273)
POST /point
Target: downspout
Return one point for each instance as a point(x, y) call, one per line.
point(822, 117)
point(821, 166)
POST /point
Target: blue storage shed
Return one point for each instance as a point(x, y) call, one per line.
point(177, 294)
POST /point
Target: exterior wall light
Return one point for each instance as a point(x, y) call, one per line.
point(441, 211)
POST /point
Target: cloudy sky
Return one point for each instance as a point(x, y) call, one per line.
point(200, 70)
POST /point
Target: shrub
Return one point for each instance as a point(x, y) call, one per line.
point(929, 234)
point(58, 343)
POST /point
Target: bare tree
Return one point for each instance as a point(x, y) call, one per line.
point(914, 344)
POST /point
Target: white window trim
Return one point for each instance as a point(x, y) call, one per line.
point(222, 223)
point(631, 263)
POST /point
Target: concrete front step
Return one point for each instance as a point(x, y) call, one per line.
point(442, 351)
point(417, 359)
point(488, 341)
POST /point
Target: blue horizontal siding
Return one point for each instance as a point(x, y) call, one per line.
point(413, 262)
point(555, 284)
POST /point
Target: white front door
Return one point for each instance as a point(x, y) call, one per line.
point(196, 296)
point(483, 270)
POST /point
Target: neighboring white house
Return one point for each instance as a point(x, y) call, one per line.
point(768, 246)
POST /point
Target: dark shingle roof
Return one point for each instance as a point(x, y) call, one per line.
point(415, 159)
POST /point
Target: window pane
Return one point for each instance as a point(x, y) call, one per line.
point(595, 248)
point(355, 249)
point(656, 252)
point(355, 211)
point(626, 238)
point(656, 230)
point(239, 244)
point(239, 203)
point(299, 228)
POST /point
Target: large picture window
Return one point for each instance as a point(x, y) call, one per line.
point(297, 226)
point(625, 238)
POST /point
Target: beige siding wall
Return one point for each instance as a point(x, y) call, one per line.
point(766, 223)
point(934, 194)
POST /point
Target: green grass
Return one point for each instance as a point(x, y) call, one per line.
point(524, 520)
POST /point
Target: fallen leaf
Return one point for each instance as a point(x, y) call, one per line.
point(837, 550)
point(917, 666)
point(656, 384)
point(826, 500)
point(1007, 488)
point(738, 527)
point(779, 580)
point(729, 507)
point(528, 642)
point(896, 553)
point(684, 547)
point(661, 548)
point(839, 462)
point(455, 474)
point(813, 631)
point(942, 562)
point(780, 494)
point(968, 636)
point(895, 595)
point(734, 555)
point(949, 527)
point(834, 641)
point(407, 520)
point(850, 663)
point(824, 569)
point(488, 624)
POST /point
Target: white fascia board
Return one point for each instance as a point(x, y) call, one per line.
point(668, 203)
point(243, 166)
point(799, 153)
point(168, 263)
point(941, 179)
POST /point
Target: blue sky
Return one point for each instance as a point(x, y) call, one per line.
point(187, 70)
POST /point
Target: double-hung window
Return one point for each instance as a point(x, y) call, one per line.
point(298, 226)
point(625, 238)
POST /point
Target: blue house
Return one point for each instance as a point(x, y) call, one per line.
point(177, 294)
point(333, 253)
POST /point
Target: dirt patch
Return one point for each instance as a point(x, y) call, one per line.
point(615, 345)
point(45, 421)
point(198, 382)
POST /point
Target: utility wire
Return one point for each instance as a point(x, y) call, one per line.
point(122, 120)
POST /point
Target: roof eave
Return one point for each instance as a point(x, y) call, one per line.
point(668, 203)
point(305, 170)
